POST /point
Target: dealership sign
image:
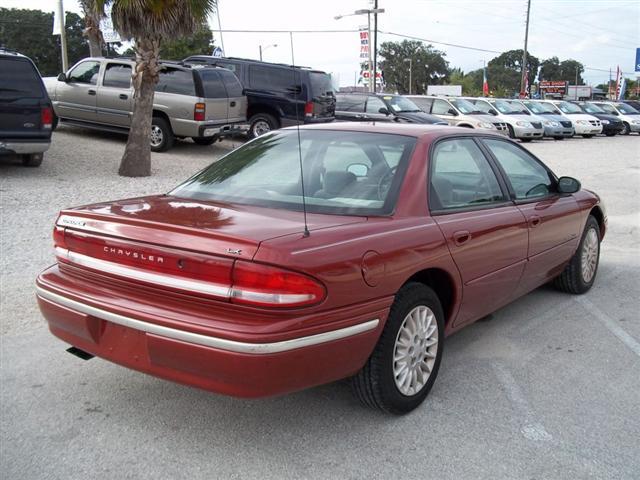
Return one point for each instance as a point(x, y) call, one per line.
point(557, 87)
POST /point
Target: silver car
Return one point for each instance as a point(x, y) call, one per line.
point(458, 112)
point(203, 103)
point(630, 116)
point(523, 127)
point(555, 125)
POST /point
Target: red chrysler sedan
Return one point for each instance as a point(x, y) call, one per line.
point(304, 257)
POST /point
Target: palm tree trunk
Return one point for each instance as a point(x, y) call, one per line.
point(136, 161)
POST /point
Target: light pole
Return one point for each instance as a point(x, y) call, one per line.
point(263, 49)
point(410, 68)
point(367, 12)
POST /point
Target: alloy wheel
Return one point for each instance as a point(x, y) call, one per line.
point(260, 128)
point(156, 136)
point(589, 255)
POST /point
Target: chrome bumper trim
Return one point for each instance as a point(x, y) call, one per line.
point(205, 340)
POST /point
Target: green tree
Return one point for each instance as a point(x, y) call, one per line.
point(150, 23)
point(29, 32)
point(567, 70)
point(200, 43)
point(504, 72)
point(471, 82)
point(428, 66)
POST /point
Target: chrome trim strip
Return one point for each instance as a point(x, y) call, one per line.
point(205, 340)
point(164, 280)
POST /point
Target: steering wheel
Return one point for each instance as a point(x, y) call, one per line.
point(384, 184)
point(539, 189)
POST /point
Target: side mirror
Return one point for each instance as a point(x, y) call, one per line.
point(451, 111)
point(62, 78)
point(383, 111)
point(358, 169)
point(568, 185)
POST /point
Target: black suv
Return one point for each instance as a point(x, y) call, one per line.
point(611, 125)
point(26, 115)
point(381, 107)
point(278, 95)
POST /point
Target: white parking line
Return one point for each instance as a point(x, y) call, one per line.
point(532, 429)
point(610, 323)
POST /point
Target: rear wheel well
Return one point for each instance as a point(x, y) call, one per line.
point(441, 283)
point(255, 109)
point(599, 216)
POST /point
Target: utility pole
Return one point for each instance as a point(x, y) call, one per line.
point(224, 53)
point(375, 45)
point(63, 37)
point(524, 52)
point(372, 81)
point(410, 72)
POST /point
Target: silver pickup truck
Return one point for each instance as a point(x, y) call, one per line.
point(203, 103)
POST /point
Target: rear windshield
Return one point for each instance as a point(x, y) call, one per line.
point(321, 84)
point(348, 173)
point(19, 79)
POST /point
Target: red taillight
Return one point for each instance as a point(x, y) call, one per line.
point(262, 285)
point(58, 237)
point(199, 112)
point(308, 109)
point(46, 117)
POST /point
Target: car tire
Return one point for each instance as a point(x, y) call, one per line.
point(162, 138)
point(205, 140)
point(587, 136)
point(580, 274)
point(54, 123)
point(526, 140)
point(610, 134)
point(626, 129)
point(32, 159)
point(512, 133)
point(558, 138)
point(261, 123)
point(380, 383)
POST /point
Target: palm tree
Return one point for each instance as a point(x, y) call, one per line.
point(149, 23)
point(92, 30)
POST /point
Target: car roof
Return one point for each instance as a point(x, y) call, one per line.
point(417, 130)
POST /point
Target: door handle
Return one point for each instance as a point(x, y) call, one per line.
point(123, 96)
point(232, 104)
point(461, 237)
point(534, 221)
point(91, 91)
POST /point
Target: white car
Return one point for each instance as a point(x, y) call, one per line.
point(584, 124)
point(521, 125)
point(630, 116)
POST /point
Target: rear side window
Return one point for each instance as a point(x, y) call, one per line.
point(117, 75)
point(212, 84)
point(350, 103)
point(267, 78)
point(174, 80)
point(85, 72)
point(19, 78)
point(231, 83)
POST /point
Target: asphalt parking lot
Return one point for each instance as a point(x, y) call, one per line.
point(547, 388)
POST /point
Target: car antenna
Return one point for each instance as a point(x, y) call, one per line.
point(296, 90)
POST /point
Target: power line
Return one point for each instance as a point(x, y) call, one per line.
point(411, 37)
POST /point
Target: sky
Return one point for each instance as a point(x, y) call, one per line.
point(601, 34)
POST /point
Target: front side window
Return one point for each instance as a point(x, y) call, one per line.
point(461, 176)
point(374, 104)
point(440, 107)
point(350, 103)
point(85, 72)
point(626, 109)
point(349, 173)
point(527, 176)
point(117, 75)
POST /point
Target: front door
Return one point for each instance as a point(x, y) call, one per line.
point(554, 220)
point(76, 98)
point(115, 96)
point(485, 232)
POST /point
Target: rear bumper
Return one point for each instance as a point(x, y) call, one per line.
point(208, 358)
point(18, 147)
point(223, 130)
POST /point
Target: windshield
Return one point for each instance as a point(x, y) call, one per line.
point(626, 109)
point(350, 173)
point(482, 107)
point(591, 108)
point(541, 108)
point(516, 105)
point(465, 106)
point(321, 84)
point(504, 107)
point(570, 108)
point(400, 104)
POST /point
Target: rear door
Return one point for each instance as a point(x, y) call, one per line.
point(553, 220)
point(22, 97)
point(237, 102)
point(115, 95)
point(77, 97)
point(485, 232)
